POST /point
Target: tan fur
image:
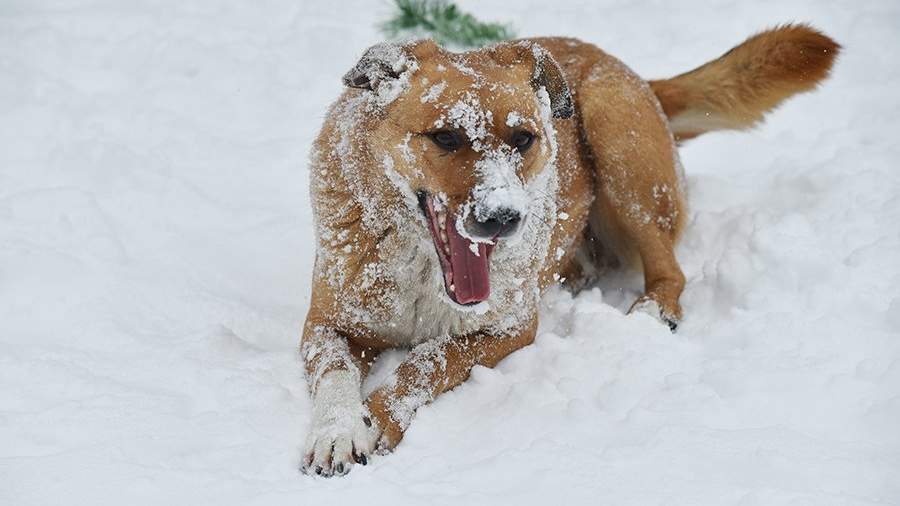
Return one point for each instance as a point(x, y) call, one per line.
point(733, 91)
point(617, 197)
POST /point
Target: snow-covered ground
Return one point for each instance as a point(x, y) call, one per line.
point(156, 249)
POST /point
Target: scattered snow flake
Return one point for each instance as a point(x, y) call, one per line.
point(432, 94)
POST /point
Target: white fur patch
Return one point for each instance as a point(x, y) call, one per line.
point(337, 426)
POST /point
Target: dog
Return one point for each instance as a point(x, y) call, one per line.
point(450, 190)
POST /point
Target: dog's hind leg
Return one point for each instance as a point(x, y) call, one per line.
point(341, 431)
point(639, 207)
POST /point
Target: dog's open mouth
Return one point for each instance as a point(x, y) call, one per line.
point(465, 263)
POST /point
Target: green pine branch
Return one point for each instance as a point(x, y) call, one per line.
point(444, 22)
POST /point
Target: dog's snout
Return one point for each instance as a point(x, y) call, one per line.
point(501, 222)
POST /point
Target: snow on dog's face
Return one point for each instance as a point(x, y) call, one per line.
point(468, 138)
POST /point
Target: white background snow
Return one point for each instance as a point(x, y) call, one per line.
point(156, 249)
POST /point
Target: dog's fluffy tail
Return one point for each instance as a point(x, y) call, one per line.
point(733, 91)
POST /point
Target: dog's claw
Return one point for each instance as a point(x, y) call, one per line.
point(304, 465)
point(649, 306)
point(673, 325)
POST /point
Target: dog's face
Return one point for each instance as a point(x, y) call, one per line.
point(468, 134)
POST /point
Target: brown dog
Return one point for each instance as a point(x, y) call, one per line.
point(450, 190)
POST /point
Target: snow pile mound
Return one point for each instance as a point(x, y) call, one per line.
point(156, 248)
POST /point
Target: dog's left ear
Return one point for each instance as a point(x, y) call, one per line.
point(545, 73)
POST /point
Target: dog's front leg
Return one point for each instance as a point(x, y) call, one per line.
point(341, 432)
point(432, 368)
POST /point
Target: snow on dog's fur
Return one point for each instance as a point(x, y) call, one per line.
point(450, 189)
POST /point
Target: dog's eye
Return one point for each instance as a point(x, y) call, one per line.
point(522, 140)
point(446, 140)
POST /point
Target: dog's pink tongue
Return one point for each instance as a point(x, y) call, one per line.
point(471, 276)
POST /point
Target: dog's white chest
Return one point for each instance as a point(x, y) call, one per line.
point(422, 311)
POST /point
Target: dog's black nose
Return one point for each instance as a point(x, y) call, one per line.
point(501, 222)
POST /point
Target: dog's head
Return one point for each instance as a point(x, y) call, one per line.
point(466, 134)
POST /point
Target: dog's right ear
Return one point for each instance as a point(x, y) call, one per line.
point(385, 61)
point(379, 62)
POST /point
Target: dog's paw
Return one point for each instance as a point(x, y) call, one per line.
point(650, 306)
point(389, 431)
point(333, 449)
point(342, 433)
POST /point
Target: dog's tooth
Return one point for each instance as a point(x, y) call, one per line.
point(452, 287)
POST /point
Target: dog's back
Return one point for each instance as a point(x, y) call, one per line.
point(733, 91)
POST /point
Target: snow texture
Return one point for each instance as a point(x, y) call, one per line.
point(156, 253)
